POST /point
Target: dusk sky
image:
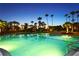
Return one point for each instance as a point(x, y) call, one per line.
point(24, 13)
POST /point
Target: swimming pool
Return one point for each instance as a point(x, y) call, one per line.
point(37, 44)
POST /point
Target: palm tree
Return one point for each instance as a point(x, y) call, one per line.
point(35, 24)
point(77, 12)
point(52, 19)
point(39, 21)
point(43, 24)
point(25, 26)
point(67, 25)
point(46, 15)
point(40, 24)
point(66, 15)
point(72, 13)
point(32, 22)
point(77, 17)
point(69, 18)
point(39, 18)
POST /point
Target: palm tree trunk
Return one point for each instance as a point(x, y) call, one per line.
point(72, 23)
point(72, 28)
point(69, 19)
point(72, 18)
point(66, 19)
point(67, 30)
point(47, 20)
point(0, 30)
point(52, 21)
point(77, 19)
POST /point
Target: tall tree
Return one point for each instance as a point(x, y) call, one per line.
point(52, 19)
point(73, 15)
point(35, 24)
point(25, 26)
point(46, 15)
point(39, 21)
point(67, 25)
point(66, 15)
point(77, 13)
point(32, 22)
point(39, 18)
point(69, 18)
point(78, 18)
point(43, 24)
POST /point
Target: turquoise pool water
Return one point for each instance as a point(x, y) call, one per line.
point(37, 44)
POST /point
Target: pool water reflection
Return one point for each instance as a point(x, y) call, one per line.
point(36, 44)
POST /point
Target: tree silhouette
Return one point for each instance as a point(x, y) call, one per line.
point(77, 13)
point(32, 22)
point(52, 19)
point(46, 15)
point(66, 15)
point(69, 18)
point(72, 13)
point(39, 21)
point(78, 18)
point(67, 25)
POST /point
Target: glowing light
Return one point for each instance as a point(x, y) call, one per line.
point(66, 37)
point(37, 26)
point(8, 47)
point(46, 27)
